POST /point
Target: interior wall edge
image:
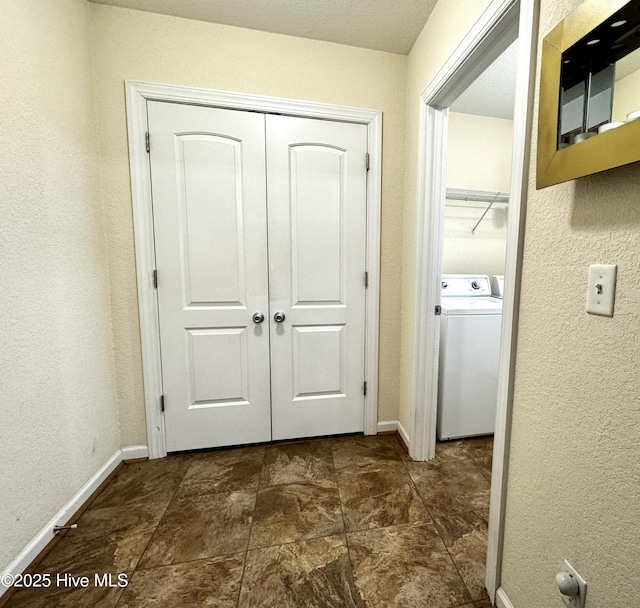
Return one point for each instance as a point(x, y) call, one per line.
point(59, 419)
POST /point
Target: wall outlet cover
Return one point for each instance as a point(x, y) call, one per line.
point(581, 598)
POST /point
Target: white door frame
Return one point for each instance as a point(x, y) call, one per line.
point(497, 27)
point(137, 94)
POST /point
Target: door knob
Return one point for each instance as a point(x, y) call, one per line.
point(279, 317)
point(258, 317)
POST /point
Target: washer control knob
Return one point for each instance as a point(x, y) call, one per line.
point(475, 284)
point(445, 284)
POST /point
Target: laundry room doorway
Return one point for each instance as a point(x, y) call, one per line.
point(498, 27)
point(476, 213)
point(261, 233)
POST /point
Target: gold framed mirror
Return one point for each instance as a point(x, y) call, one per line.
point(590, 92)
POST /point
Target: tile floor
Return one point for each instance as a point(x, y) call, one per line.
point(327, 523)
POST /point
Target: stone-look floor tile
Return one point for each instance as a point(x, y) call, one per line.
point(405, 566)
point(483, 514)
point(207, 524)
point(209, 583)
point(291, 512)
point(144, 482)
point(303, 462)
point(404, 449)
point(314, 574)
point(223, 471)
point(484, 463)
point(480, 446)
point(450, 450)
point(365, 452)
point(450, 487)
point(108, 540)
point(63, 597)
point(465, 536)
point(474, 447)
point(198, 527)
point(377, 498)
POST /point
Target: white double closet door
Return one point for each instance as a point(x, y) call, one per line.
point(257, 215)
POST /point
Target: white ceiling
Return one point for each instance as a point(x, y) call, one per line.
point(493, 92)
point(384, 25)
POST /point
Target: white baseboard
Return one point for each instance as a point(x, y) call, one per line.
point(386, 426)
point(502, 599)
point(62, 517)
point(133, 452)
point(405, 436)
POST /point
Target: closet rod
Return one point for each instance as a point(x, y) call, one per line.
point(455, 194)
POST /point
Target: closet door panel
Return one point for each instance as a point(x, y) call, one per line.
point(316, 183)
point(209, 206)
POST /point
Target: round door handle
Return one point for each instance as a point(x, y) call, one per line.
point(279, 317)
point(258, 317)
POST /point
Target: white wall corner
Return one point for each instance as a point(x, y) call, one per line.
point(388, 426)
point(502, 599)
point(405, 436)
point(61, 518)
point(134, 452)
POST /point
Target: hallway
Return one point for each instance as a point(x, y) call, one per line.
point(338, 522)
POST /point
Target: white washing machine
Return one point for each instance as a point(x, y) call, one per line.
point(469, 357)
point(497, 286)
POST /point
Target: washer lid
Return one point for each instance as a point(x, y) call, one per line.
point(471, 306)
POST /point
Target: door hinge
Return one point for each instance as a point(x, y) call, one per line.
point(364, 389)
point(146, 141)
point(162, 403)
point(155, 279)
point(366, 280)
point(367, 161)
point(438, 310)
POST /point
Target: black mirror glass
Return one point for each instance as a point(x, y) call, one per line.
point(600, 78)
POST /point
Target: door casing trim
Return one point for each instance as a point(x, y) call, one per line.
point(138, 93)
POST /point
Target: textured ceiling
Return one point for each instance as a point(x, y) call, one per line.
point(493, 92)
point(391, 25)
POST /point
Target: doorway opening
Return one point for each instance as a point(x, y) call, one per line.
point(499, 26)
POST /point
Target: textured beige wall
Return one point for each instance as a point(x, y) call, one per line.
point(446, 27)
point(136, 45)
point(479, 253)
point(478, 158)
point(479, 152)
point(574, 472)
point(58, 421)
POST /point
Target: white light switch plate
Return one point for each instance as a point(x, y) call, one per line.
point(602, 289)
